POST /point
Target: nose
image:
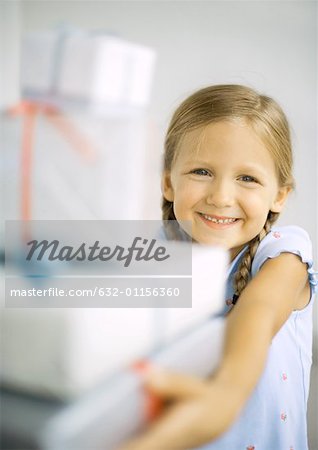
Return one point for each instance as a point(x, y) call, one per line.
point(220, 194)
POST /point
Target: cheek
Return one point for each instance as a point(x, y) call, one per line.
point(256, 204)
point(187, 193)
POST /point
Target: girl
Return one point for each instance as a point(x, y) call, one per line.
point(228, 171)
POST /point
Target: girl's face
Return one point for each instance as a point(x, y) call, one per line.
point(224, 182)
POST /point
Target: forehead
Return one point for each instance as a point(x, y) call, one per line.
point(234, 139)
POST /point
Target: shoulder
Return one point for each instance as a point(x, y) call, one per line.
point(284, 239)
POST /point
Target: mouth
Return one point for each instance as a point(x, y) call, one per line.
point(218, 221)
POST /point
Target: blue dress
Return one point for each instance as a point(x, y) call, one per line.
point(274, 418)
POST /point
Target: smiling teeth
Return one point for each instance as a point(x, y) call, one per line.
point(212, 219)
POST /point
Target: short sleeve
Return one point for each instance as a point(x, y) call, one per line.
point(286, 239)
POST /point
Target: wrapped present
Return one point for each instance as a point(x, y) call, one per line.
point(64, 352)
point(118, 410)
point(86, 68)
point(115, 410)
point(81, 145)
point(79, 166)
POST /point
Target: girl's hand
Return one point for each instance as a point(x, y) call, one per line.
point(198, 412)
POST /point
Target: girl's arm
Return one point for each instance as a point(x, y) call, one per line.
point(205, 409)
point(280, 287)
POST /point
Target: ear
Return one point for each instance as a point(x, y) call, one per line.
point(281, 197)
point(166, 186)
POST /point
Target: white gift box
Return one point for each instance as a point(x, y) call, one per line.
point(106, 69)
point(113, 174)
point(109, 181)
point(116, 410)
point(86, 68)
point(65, 352)
point(37, 62)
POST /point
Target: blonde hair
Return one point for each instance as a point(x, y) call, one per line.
point(263, 114)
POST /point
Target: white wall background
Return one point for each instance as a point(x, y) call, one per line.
point(269, 45)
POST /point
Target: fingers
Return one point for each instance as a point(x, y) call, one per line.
point(178, 429)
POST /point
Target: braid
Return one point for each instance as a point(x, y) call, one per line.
point(169, 220)
point(242, 275)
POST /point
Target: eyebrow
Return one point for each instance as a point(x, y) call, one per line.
point(252, 167)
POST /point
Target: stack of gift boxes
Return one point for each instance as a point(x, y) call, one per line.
point(88, 152)
point(93, 145)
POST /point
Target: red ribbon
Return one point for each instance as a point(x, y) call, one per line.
point(153, 404)
point(29, 110)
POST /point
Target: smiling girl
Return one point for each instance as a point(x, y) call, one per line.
point(228, 171)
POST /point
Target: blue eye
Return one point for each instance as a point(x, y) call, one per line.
point(202, 172)
point(248, 179)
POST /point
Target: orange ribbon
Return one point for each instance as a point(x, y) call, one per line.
point(29, 110)
point(153, 404)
